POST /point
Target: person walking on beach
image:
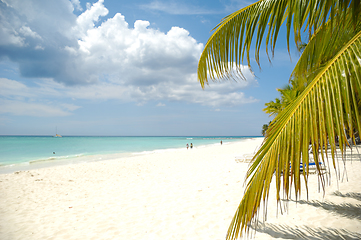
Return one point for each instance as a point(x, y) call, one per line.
point(187, 146)
point(191, 145)
point(221, 142)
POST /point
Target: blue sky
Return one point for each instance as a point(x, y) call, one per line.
point(125, 68)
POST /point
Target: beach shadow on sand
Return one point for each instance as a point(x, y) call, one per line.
point(305, 232)
point(353, 195)
point(351, 211)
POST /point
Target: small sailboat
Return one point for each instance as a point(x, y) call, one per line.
point(56, 133)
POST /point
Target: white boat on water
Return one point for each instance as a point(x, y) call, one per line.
point(56, 133)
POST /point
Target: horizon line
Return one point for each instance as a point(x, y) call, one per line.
point(35, 135)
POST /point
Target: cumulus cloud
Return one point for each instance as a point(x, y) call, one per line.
point(136, 56)
point(76, 4)
point(84, 57)
point(87, 19)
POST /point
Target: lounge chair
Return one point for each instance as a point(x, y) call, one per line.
point(246, 157)
point(312, 168)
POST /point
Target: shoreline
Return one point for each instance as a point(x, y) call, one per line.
point(176, 194)
point(120, 147)
point(85, 158)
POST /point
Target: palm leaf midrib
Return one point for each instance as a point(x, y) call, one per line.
point(293, 107)
point(272, 142)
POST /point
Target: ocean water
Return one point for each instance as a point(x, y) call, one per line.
point(25, 150)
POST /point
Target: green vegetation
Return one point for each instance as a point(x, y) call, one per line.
point(264, 128)
point(321, 103)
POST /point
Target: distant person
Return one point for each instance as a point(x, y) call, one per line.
point(187, 146)
point(221, 142)
point(191, 145)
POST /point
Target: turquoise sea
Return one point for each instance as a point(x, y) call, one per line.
point(32, 150)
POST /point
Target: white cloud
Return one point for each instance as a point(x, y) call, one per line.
point(160, 105)
point(18, 99)
point(138, 56)
point(8, 86)
point(10, 37)
point(39, 47)
point(26, 31)
point(14, 89)
point(44, 17)
point(76, 4)
point(87, 59)
point(87, 19)
point(9, 24)
point(69, 107)
point(22, 108)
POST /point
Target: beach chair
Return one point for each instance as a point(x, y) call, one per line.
point(246, 158)
point(312, 168)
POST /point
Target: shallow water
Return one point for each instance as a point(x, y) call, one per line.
point(40, 150)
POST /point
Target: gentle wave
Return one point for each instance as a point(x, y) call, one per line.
point(35, 151)
point(56, 158)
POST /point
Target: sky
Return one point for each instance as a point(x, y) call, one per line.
point(126, 68)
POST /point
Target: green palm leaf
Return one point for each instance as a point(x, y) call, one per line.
point(321, 113)
point(327, 108)
point(323, 45)
point(232, 38)
point(273, 108)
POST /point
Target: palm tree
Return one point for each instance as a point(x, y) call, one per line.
point(330, 70)
point(273, 107)
point(288, 95)
point(265, 127)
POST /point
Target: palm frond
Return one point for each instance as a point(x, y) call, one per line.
point(321, 113)
point(323, 45)
point(273, 108)
point(233, 36)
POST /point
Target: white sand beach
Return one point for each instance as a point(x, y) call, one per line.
point(176, 194)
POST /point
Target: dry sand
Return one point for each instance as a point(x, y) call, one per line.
point(176, 194)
